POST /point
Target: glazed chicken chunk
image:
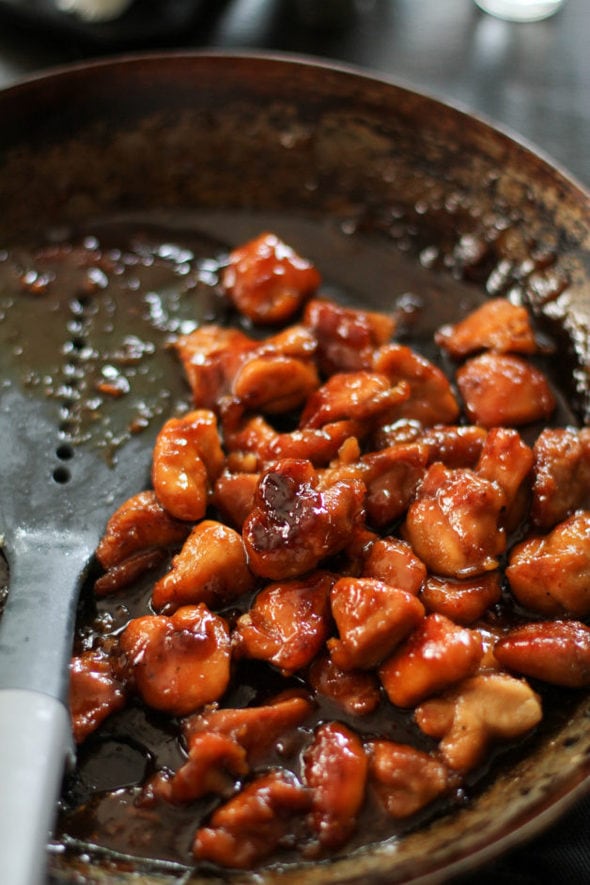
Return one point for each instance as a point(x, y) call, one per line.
point(497, 325)
point(267, 281)
point(486, 708)
point(550, 574)
point(178, 663)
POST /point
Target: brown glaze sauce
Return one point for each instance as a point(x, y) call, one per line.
point(113, 297)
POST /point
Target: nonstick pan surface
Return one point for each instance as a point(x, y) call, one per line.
point(405, 204)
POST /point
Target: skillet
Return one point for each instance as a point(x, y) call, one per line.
point(361, 174)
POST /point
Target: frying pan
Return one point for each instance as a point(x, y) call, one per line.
point(377, 171)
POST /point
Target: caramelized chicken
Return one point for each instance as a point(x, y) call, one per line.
point(294, 525)
point(454, 446)
point(138, 525)
point(257, 729)
point(484, 709)
point(178, 663)
point(405, 779)
point(393, 562)
point(431, 399)
point(187, 460)
point(464, 601)
point(215, 762)
point(274, 383)
point(497, 325)
point(288, 622)
point(96, 691)
point(453, 525)
point(211, 568)
point(562, 475)
point(360, 396)
point(211, 356)
point(503, 389)
point(554, 651)
point(335, 768)
point(346, 337)
point(251, 825)
point(550, 574)
point(333, 522)
point(234, 495)
point(372, 618)
point(267, 281)
point(356, 692)
point(437, 654)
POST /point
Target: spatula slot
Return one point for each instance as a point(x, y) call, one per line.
point(61, 475)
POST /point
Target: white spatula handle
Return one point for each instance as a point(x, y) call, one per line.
point(35, 738)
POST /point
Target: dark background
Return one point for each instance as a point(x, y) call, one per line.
point(532, 79)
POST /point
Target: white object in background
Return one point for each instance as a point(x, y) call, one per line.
point(521, 10)
point(94, 10)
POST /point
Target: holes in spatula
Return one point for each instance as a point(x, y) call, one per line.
point(64, 452)
point(62, 473)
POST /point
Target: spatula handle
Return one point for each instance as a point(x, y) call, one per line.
point(35, 738)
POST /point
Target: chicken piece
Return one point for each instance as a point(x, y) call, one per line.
point(561, 475)
point(394, 562)
point(335, 768)
point(211, 356)
point(391, 477)
point(187, 460)
point(553, 651)
point(211, 567)
point(128, 571)
point(316, 444)
point(138, 525)
point(251, 825)
point(497, 325)
point(256, 729)
point(372, 618)
point(550, 574)
point(346, 337)
point(486, 708)
point(287, 624)
point(234, 495)
point(354, 691)
point(431, 399)
point(96, 691)
point(506, 460)
point(246, 434)
point(435, 656)
point(454, 446)
point(352, 559)
point(295, 340)
point(178, 663)
point(267, 281)
point(452, 525)
point(504, 390)
point(405, 779)
point(295, 525)
point(465, 601)
point(214, 763)
point(361, 396)
point(396, 433)
point(274, 383)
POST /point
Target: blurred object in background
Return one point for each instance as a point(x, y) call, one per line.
point(94, 10)
point(113, 23)
point(521, 10)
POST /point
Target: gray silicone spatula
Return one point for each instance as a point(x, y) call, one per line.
point(52, 512)
point(64, 468)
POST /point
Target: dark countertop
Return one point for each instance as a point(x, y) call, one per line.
point(533, 79)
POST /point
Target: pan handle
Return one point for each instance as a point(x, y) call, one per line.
point(35, 739)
